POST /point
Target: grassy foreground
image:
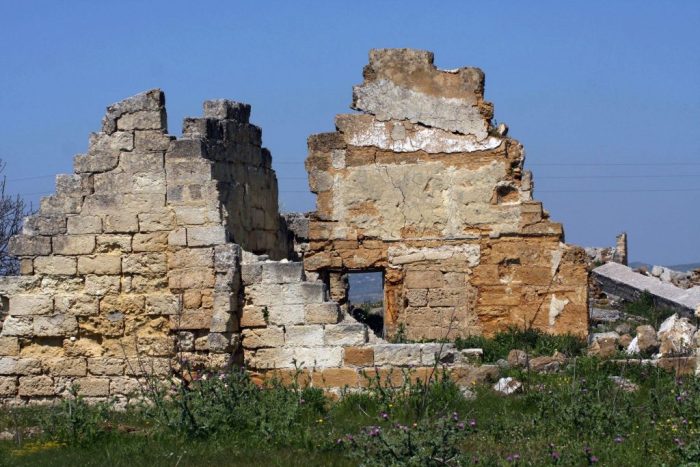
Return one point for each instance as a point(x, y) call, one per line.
point(579, 416)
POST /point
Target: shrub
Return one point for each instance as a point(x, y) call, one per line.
point(74, 422)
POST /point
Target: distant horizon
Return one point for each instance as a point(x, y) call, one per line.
point(604, 96)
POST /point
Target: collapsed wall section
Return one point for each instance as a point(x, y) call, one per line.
point(420, 186)
point(133, 260)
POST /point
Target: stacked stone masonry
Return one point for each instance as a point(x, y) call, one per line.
point(158, 249)
point(421, 186)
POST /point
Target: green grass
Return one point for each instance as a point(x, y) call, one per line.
point(575, 417)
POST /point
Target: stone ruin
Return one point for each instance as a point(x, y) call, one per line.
point(159, 249)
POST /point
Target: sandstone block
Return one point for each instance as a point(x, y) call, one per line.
point(112, 143)
point(8, 386)
point(78, 225)
point(191, 320)
point(359, 356)
point(121, 222)
point(106, 366)
point(55, 265)
point(322, 313)
point(286, 314)
point(423, 280)
point(191, 258)
point(91, 386)
point(206, 236)
point(254, 316)
point(397, 354)
point(127, 386)
point(99, 264)
point(336, 378)
point(102, 285)
point(73, 244)
point(76, 304)
point(156, 346)
point(59, 205)
point(251, 273)
point(9, 346)
point(219, 342)
point(36, 386)
point(225, 109)
point(130, 304)
point(29, 245)
point(23, 305)
point(223, 321)
point(56, 325)
point(154, 241)
point(151, 140)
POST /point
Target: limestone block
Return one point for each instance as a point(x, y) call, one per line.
point(102, 285)
point(223, 321)
point(8, 386)
point(17, 326)
point(121, 222)
point(190, 171)
point(73, 244)
point(156, 346)
point(76, 304)
point(416, 297)
point(225, 109)
point(84, 225)
point(23, 305)
point(144, 263)
point(9, 346)
point(109, 325)
point(423, 280)
point(106, 366)
point(19, 366)
point(397, 354)
point(96, 162)
point(65, 366)
point(254, 316)
point(44, 225)
point(286, 315)
point(142, 120)
point(346, 334)
point(219, 342)
point(307, 335)
point(55, 265)
point(26, 266)
point(36, 386)
point(60, 205)
point(142, 162)
point(251, 273)
point(310, 292)
point(288, 357)
point(153, 99)
point(179, 149)
point(206, 236)
point(196, 215)
point(156, 221)
point(91, 386)
point(191, 278)
point(56, 325)
point(29, 245)
point(162, 304)
point(322, 313)
point(75, 185)
point(279, 272)
point(191, 257)
point(272, 336)
point(191, 320)
point(154, 241)
point(113, 243)
point(130, 304)
point(151, 140)
point(111, 143)
point(178, 237)
point(99, 264)
point(127, 386)
point(226, 257)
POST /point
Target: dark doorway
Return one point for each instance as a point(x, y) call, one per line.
point(366, 299)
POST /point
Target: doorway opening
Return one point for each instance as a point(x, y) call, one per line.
point(366, 299)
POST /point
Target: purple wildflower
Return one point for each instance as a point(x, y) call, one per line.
point(374, 431)
point(384, 415)
point(592, 460)
point(472, 423)
point(619, 439)
point(455, 416)
point(460, 425)
point(555, 455)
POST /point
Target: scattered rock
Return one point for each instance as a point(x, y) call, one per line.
point(547, 364)
point(623, 328)
point(503, 364)
point(624, 384)
point(675, 335)
point(625, 340)
point(468, 394)
point(633, 347)
point(646, 339)
point(508, 386)
point(517, 358)
point(603, 344)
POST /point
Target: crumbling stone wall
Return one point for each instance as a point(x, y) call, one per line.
point(420, 185)
point(133, 259)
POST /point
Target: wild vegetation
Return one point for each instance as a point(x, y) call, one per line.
point(578, 416)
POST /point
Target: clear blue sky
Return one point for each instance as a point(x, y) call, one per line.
point(613, 84)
